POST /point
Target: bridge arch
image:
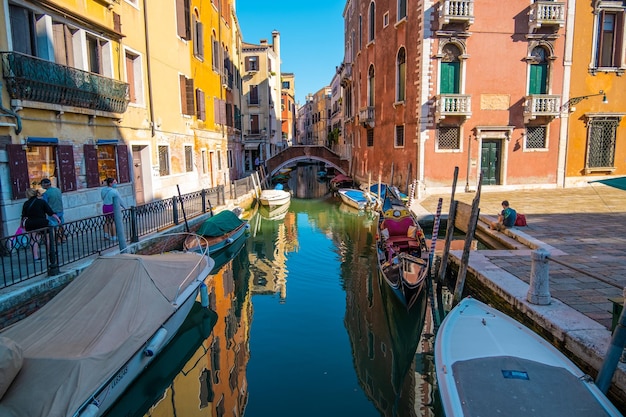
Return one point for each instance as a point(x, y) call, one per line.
point(294, 154)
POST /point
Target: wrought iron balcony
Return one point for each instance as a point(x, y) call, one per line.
point(456, 11)
point(453, 105)
point(541, 105)
point(366, 116)
point(34, 79)
point(546, 13)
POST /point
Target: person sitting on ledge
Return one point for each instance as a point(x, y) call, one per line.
point(506, 218)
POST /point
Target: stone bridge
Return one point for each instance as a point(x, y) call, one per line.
point(308, 153)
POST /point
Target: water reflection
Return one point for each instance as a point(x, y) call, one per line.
point(304, 327)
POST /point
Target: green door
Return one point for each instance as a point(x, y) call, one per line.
point(538, 77)
point(450, 77)
point(490, 162)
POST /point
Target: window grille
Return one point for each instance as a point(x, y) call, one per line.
point(400, 136)
point(535, 137)
point(370, 137)
point(448, 137)
point(188, 159)
point(164, 163)
point(601, 146)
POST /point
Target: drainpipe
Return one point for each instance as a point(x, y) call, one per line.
point(9, 112)
point(561, 173)
point(148, 68)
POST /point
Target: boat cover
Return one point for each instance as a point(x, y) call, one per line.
point(86, 333)
point(220, 224)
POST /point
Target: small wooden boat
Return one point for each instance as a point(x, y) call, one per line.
point(275, 197)
point(402, 257)
point(359, 199)
point(341, 181)
point(81, 350)
point(219, 231)
point(491, 365)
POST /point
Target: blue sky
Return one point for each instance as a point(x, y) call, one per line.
point(311, 37)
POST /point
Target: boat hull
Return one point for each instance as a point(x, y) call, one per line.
point(215, 243)
point(489, 364)
point(274, 198)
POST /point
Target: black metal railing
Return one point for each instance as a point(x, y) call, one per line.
point(35, 79)
point(46, 250)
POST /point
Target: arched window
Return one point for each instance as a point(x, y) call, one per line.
point(450, 76)
point(370, 87)
point(371, 22)
point(538, 81)
point(401, 74)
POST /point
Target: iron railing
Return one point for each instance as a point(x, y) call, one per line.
point(34, 79)
point(46, 250)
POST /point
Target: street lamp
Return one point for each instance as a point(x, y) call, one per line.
point(569, 105)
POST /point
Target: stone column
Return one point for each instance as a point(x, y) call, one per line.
point(539, 290)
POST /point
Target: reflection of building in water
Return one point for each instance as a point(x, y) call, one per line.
point(213, 382)
point(268, 258)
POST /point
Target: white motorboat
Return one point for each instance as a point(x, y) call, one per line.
point(275, 197)
point(490, 365)
point(358, 199)
point(81, 350)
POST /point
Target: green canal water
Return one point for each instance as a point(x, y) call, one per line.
point(299, 325)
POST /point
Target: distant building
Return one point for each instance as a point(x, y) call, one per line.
point(288, 107)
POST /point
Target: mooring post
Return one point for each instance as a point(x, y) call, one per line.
point(539, 290)
point(613, 353)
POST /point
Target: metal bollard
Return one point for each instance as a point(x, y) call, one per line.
point(539, 291)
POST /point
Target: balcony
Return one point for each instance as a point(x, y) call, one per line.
point(366, 117)
point(33, 79)
point(541, 105)
point(546, 13)
point(346, 74)
point(456, 11)
point(453, 105)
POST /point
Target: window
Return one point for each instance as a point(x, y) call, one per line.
point(252, 63)
point(370, 137)
point(183, 23)
point(401, 75)
point(188, 158)
point(204, 162)
point(198, 38)
point(219, 160)
point(134, 77)
point(370, 86)
point(254, 95)
point(219, 110)
point(609, 38)
point(399, 136)
point(94, 55)
point(254, 124)
point(601, 142)
point(200, 105)
point(538, 82)
point(450, 70)
point(107, 166)
point(448, 137)
point(360, 32)
point(386, 20)
point(215, 54)
point(286, 85)
point(536, 137)
point(401, 9)
point(164, 160)
point(105, 160)
point(371, 22)
point(186, 95)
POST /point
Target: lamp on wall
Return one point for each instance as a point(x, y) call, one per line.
point(569, 104)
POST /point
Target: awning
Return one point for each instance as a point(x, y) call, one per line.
point(33, 139)
point(107, 142)
point(251, 146)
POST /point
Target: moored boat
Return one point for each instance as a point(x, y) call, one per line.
point(219, 231)
point(341, 181)
point(358, 199)
point(81, 350)
point(488, 364)
point(275, 197)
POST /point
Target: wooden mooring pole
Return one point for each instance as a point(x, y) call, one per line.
point(449, 229)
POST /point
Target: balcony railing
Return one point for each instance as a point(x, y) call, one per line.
point(538, 105)
point(459, 11)
point(366, 116)
point(34, 79)
point(546, 13)
point(453, 105)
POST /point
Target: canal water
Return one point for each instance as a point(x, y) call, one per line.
point(299, 324)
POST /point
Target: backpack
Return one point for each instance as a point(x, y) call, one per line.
point(520, 220)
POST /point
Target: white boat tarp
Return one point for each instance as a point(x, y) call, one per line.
point(85, 334)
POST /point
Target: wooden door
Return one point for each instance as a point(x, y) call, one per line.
point(490, 161)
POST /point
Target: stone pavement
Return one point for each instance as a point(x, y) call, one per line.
point(587, 224)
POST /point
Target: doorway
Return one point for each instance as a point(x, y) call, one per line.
point(490, 158)
point(138, 175)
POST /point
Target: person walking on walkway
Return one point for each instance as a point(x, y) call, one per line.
point(53, 197)
point(506, 218)
point(34, 213)
point(108, 193)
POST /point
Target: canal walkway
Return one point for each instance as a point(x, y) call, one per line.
point(584, 231)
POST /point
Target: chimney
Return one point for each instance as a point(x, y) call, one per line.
point(276, 42)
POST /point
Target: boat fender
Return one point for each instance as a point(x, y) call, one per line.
point(156, 343)
point(91, 410)
point(247, 226)
point(204, 295)
point(229, 240)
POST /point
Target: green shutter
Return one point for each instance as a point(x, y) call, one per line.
point(538, 77)
point(450, 77)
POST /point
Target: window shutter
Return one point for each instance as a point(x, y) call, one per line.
point(91, 166)
point(200, 40)
point(223, 112)
point(183, 12)
point(196, 41)
point(67, 169)
point(216, 109)
point(189, 93)
point(123, 167)
point(619, 36)
point(18, 170)
point(247, 63)
point(117, 23)
point(183, 97)
point(201, 109)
